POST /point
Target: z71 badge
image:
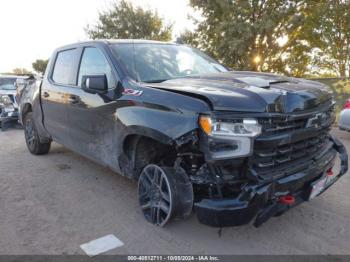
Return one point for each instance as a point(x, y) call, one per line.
point(132, 92)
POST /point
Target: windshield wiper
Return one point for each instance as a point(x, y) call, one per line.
point(156, 81)
point(278, 82)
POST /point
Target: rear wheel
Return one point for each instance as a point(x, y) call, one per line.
point(164, 194)
point(32, 138)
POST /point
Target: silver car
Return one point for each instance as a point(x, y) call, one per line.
point(8, 103)
point(344, 117)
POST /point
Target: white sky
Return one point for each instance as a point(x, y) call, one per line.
point(32, 29)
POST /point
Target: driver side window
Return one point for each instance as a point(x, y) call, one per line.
point(94, 62)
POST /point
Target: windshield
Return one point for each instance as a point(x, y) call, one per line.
point(148, 62)
point(7, 83)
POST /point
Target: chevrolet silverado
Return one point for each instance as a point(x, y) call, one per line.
point(237, 147)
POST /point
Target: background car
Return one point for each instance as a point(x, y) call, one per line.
point(344, 117)
point(8, 102)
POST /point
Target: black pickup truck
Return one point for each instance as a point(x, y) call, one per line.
point(235, 146)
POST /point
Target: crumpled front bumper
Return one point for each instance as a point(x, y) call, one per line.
point(8, 115)
point(262, 201)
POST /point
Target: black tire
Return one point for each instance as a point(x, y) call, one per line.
point(32, 138)
point(164, 194)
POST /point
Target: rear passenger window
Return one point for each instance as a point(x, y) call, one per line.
point(63, 72)
point(94, 62)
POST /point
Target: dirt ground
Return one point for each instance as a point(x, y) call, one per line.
point(52, 204)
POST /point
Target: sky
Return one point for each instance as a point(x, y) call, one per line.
point(32, 29)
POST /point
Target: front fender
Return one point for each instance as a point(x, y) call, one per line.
point(163, 125)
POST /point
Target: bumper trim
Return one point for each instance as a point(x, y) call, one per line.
point(261, 201)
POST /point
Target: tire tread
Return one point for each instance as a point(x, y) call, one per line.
point(40, 148)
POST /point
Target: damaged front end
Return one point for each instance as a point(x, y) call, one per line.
point(259, 166)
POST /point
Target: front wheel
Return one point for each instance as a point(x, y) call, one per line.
point(32, 138)
point(164, 194)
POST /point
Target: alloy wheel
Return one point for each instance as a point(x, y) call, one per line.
point(155, 196)
point(30, 133)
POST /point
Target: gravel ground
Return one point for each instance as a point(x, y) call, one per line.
point(52, 204)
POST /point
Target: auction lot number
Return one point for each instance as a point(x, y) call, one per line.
point(173, 258)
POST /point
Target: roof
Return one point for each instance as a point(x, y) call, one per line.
point(116, 41)
point(135, 41)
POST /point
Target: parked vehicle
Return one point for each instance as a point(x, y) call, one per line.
point(8, 103)
point(344, 117)
point(236, 146)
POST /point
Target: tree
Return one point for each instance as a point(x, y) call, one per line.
point(248, 34)
point(328, 32)
point(189, 38)
point(40, 65)
point(124, 21)
point(21, 71)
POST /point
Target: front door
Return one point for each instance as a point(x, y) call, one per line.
point(91, 116)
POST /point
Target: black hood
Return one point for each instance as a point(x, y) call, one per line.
point(251, 91)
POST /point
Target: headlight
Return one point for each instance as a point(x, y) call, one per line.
point(243, 127)
point(5, 100)
point(229, 139)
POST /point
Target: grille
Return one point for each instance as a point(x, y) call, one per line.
point(289, 146)
point(281, 125)
point(278, 125)
point(271, 161)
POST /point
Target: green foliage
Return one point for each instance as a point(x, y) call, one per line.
point(236, 32)
point(189, 38)
point(124, 21)
point(327, 29)
point(40, 65)
point(340, 88)
point(247, 34)
point(21, 71)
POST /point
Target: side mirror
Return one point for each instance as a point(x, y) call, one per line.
point(94, 83)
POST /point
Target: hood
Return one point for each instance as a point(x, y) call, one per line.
point(7, 92)
point(251, 91)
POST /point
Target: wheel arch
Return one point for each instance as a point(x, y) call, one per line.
point(27, 107)
point(140, 148)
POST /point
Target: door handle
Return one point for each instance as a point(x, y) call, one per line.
point(46, 94)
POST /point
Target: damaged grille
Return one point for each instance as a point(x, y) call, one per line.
point(288, 146)
point(278, 125)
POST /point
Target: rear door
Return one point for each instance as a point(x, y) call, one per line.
point(55, 93)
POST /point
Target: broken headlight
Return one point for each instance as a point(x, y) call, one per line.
point(228, 139)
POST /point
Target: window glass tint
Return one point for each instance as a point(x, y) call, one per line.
point(160, 62)
point(64, 67)
point(94, 62)
point(7, 83)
